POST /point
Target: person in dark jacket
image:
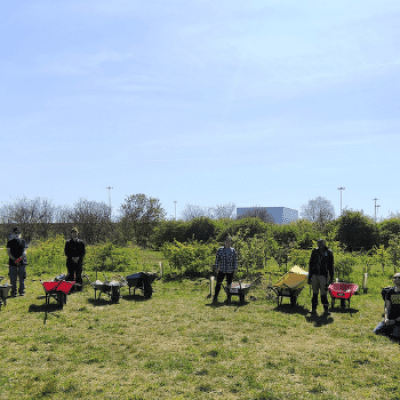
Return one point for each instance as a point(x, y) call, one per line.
point(320, 275)
point(16, 250)
point(74, 251)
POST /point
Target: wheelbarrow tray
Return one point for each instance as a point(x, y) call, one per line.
point(4, 289)
point(343, 291)
point(57, 290)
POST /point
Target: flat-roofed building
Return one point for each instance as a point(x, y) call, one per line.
point(281, 215)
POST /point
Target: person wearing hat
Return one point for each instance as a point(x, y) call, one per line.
point(74, 251)
point(391, 323)
point(320, 275)
point(225, 265)
point(17, 260)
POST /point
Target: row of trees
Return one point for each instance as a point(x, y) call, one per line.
point(142, 220)
point(40, 219)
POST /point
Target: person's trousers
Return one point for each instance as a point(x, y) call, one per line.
point(74, 273)
point(319, 284)
point(14, 273)
point(220, 277)
point(382, 329)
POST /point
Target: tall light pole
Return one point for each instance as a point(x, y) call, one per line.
point(109, 198)
point(175, 208)
point(375, 206)
point(341, 190)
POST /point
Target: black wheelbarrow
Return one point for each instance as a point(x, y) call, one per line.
point(142, 281)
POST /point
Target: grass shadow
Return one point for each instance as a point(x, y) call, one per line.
point(100, 302)
point(44, 308)
point(319, 320)
point(135, 297)
point(339, 310)
point(289, 309)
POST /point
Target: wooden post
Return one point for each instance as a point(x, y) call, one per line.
point(161, 269)
point(212, 286)
point(365, 283)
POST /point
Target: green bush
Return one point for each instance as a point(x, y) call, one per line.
point(191, 258)
point(107, 257)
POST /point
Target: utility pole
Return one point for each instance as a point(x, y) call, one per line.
point(377, 210)
point(109, 198)
point(175, 208)
point(375, 207)
point(341, 190)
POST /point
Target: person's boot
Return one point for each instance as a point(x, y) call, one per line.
point(324, 301)
point(314, 309)
point(215, 300)
point(314, 304)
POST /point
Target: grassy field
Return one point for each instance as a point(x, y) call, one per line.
point(177, 346)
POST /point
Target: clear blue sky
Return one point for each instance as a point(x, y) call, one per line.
point(268, 103)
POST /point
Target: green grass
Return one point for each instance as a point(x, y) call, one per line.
point(176, 346)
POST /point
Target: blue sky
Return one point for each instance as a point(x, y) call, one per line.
point(268, 103)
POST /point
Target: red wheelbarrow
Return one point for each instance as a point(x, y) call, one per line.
point(342, 291)
point(58, 290)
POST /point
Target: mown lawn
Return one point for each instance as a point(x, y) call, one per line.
point(177, 346)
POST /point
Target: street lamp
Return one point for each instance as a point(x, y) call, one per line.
point(109, 198)
point(341, 190)
point(375, 206)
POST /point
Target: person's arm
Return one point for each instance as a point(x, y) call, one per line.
point(66, 249)
point(235, 261)
point(83, 250)
point(10, 255)
point(216, 261)
point(310, 268)
point(331, 268)
point(388, 307)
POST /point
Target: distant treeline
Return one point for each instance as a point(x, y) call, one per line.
point(353, 230)
point(142, 221)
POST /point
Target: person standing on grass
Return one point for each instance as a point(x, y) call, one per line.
point(74, 251)
point(391, 322)
point(16, 250)
point(320, 275)
point(226, 264)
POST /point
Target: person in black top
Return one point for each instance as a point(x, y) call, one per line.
point(74, 251)
point(320, 275)
point(16, 250)
point(391, 322)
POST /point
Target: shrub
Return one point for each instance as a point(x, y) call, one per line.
point(191, 258)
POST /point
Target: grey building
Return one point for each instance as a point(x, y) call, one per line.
point(281, 215)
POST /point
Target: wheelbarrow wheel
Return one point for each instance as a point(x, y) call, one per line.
point(293, 301)
point(333, 302)
point(342, 303)
point(241, 297)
